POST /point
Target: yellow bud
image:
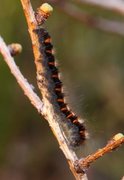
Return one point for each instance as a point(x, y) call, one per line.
point(47, 8)
point(15, 49)
point(118, 136)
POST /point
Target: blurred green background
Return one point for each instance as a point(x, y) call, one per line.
point(92, 66)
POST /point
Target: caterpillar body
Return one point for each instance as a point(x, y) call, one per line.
point(77, 129)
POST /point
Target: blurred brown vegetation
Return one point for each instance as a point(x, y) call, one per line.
point(92, 66)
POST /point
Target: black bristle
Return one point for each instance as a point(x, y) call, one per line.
point(60, 95)
point(67, 113)
point(73, 118)
point(53, 69)
point(49, 56)
point(48, 46)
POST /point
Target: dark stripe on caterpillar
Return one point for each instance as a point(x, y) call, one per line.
point(77, 128)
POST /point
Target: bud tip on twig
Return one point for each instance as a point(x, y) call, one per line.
point(118, 136)
point(15, 49)
point(47, 8)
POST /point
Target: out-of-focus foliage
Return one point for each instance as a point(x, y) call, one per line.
point(92, 66)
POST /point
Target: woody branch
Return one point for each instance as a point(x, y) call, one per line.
point(113, 144)
point(22, 81)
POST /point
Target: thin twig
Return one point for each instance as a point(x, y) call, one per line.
point(114, 143)
point(109, 26)
point(50, 110)
point(34, 99)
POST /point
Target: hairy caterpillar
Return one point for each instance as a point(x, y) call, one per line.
point(78, 132)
